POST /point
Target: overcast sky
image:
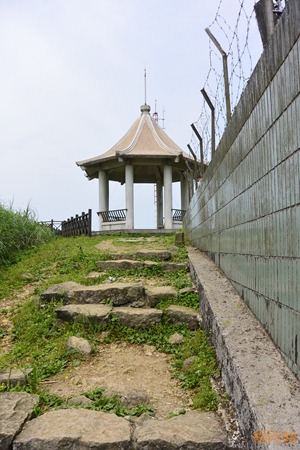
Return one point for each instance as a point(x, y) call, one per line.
point(72, 83)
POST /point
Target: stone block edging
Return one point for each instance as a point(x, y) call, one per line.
point(265, 392)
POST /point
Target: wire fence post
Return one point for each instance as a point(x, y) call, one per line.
point(225, 73)
point(213, 120)
point(200, 142)
point(195, 166)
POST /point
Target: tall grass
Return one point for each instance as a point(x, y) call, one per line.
point(19, 232)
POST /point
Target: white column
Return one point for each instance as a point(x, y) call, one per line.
point(103, 194)
point(159, 204)
point(129, 197)
point(184, 191)
point(168, 197)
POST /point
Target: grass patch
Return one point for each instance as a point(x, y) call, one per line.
point(197, 375)
point(65, 259)
point(189, 300)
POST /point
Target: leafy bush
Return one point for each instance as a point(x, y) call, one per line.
point(19, 232)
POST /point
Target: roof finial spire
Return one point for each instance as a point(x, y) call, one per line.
point(145, 84)
point(145, 109)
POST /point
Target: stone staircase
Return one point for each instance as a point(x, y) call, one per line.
point(78, 429)
point(133, 305)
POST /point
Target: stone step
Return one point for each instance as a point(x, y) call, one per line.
point(15, 409)
point(137, 317)
point(189, 317)
point(15, 377)
point(115, 293)
point(98, 314)
point(159, 255)
point(127, 264)
point(128, 317)
point(83, 428)
point(154, 294)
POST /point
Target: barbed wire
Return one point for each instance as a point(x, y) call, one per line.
point(235, 41)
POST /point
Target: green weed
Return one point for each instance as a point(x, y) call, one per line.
point(114, 405)
point(197, 376)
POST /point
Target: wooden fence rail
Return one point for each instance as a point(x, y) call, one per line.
point(54, 225)
point(75, 226)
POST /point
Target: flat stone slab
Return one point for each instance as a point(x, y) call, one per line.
point(127, 264)
point(75, 429)
point(14, 377)
point(161, 255)
point(116, 293)
point(137, 317)
point(170, 267)
point(101, 314)
point(61, 291)
point(85, 313)
point(193, 430)
point(155, 294)
point(15, 409)
point(120, 264)
point(182, 314)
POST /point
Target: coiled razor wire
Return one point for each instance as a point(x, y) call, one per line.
point(236, 42)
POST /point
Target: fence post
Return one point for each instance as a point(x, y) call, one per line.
point(90, 223)
point(75, 226)
point(225, 73)
point(195, 169)
point(213, 126)
point(200, 141)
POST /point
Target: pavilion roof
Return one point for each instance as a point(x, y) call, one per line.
point(144, 139)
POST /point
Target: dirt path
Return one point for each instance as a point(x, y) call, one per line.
point(117, 365)
point(130, 245)
point(114, 365)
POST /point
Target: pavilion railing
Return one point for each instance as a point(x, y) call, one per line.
point(178, 215)
point(78, 225)
point(115, 215)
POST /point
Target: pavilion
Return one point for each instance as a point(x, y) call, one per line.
point(145, 154)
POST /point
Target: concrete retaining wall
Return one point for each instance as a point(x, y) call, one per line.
point(246, 213)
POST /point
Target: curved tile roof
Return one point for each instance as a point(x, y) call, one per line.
point(145, 138)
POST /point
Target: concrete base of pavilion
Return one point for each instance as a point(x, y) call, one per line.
point(137, 231)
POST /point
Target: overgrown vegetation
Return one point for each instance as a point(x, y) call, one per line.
point(19, 232)
point(38, 339)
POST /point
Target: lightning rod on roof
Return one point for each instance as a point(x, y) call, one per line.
point(145, 84)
